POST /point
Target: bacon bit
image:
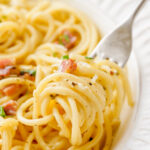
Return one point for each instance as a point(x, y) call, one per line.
point(9, 70)
point(68, 66)
point(67, 39)
point(4, 73)
point(6, 62)
point(28, 77)
point(10, 107)
point(13, 70)
point(111, 73)
point(11, 89)
point(1, 92)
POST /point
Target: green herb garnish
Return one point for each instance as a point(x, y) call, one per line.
point(66, 37)
point(62, 38)
point(61, 43)
point(65, 57)
point(2, 112)
point(30, 72)
point(86, 57)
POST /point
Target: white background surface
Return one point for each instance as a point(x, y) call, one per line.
point(118, 10)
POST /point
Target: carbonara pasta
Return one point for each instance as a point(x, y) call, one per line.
point(52, 95)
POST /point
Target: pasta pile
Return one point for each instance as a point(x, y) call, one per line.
point(52, 95)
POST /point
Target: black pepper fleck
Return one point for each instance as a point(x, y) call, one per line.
point(74, 84)
point(90, 139)
point(90, 83)
point(117, 73)
point(54, 95)
point(104, 88)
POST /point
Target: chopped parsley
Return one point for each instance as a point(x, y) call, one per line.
point(66, 37)
point(63, 39)
point(65, 57)
point(86, 57)
point(30, 72)
point(2, 112)
point(61, 43)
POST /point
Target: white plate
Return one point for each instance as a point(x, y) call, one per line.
point(139, 137)
point(134, 133)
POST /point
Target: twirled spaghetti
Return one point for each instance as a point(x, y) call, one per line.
point(52, 95)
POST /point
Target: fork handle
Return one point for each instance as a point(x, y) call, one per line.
point(135, 12)
point(128, 22)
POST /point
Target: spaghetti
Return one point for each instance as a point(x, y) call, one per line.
point(52, 96)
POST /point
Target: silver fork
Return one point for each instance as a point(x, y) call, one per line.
point(117, 45)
